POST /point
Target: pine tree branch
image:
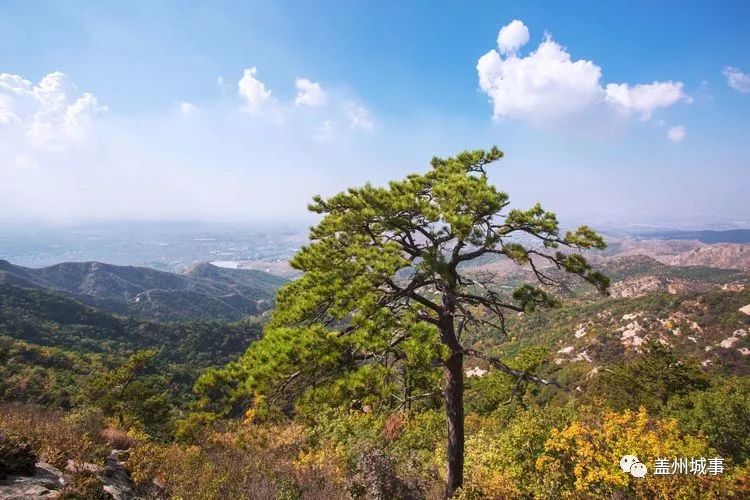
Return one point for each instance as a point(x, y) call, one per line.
point(520, 374)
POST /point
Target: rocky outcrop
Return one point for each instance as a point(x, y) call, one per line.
point(636, 287)
point(116, 479)
point(47, 482)
point(643, 285)
point(720, 255)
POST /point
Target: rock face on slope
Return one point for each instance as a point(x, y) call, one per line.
point(720, 255)
point(116, 479)
point(679, 252)
point(201, 292)
point(45, 481)
point(640, 286)
point(636, 287)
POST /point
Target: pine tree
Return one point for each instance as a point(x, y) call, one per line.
point(386, 295)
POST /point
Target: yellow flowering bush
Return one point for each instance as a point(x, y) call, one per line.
point(582, 460)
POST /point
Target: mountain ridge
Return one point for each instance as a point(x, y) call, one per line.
point(202, 291)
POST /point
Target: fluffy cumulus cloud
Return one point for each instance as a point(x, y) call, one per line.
point(50, 114)
point(644, 99)
point(252, 91)
point(543, 86)
point(676, 133)
point(309, 93)
point(548, 85)
point(512, 37)
point(736, 79)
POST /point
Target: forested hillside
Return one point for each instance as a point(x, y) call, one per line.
point(435, 345)
point(54, 350)
point(201, 292)
point(58, 356)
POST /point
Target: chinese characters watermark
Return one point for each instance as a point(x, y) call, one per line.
point(697, 466)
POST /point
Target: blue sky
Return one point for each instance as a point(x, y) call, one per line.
point(160, 137)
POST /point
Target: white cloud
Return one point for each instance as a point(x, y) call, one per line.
point(645, 98)
point(160, 165)
point(512, 37)
point(323, 121)
point(253, 91)
point(224, 166)
point(309, 93)
point(49, 114)
point(676, 133)
point(188, 108)
point(547, 85)
point(736, 79)
point(359, 116)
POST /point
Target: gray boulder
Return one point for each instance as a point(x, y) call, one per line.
point(116, 479)
point(45, 483)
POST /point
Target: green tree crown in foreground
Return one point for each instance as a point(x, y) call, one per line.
point(386, 295)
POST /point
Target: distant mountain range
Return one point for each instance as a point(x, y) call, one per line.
point(683, 252)
point(706, 236)
point(201, 292)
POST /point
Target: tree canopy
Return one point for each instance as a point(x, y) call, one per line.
point(387, 291)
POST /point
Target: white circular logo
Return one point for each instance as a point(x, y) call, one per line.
point(638, 470)
point(631, 465)
point(627, 462)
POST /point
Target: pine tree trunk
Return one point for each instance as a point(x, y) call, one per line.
point(454, 412)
